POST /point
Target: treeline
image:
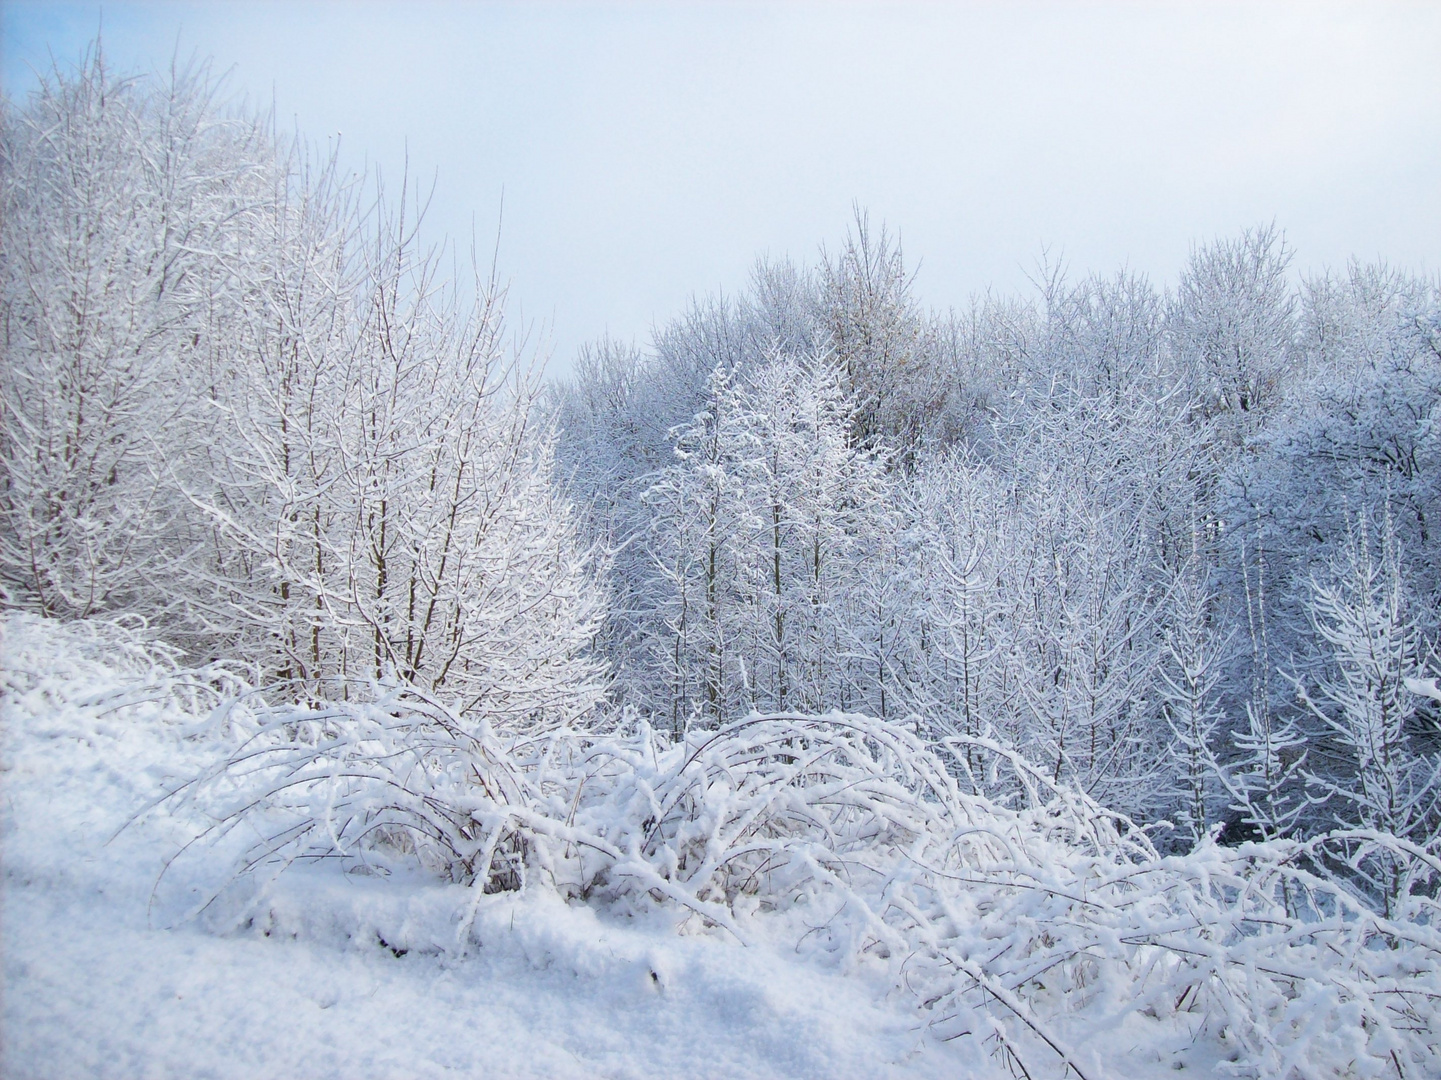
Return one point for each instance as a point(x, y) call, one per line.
point(1176, 546)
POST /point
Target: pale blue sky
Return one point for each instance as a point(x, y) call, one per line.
point(649, 152)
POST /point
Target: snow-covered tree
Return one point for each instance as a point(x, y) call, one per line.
point(120, 200)
point(759, 534)
point(816, 508)
point(1389, 783)
point(1233, 323)
point(883, 343)
point(239, 400)
point(693, 550)
point(1190, 678)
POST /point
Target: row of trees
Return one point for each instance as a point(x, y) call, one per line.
point(239, 400)
point(1174, 546)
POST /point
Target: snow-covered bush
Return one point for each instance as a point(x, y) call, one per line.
point(118, 667)
point(1010, 909)
point(1015, 909)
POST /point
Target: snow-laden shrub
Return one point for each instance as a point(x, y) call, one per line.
point(114, 667)
point(1014, 909)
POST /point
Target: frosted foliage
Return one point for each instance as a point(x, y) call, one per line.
point(758, 534)
point(239, 401)
point(120, 206)
point(1362, 611)
point(1013, 910)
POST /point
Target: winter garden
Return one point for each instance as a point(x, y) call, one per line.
point(1054, 678)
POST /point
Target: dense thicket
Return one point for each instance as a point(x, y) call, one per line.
point(1175, 546)
point(238, 401)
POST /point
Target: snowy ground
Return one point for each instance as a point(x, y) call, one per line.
point(1034, 936)
point(101, 981)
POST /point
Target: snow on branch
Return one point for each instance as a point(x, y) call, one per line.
point(1013, 907)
